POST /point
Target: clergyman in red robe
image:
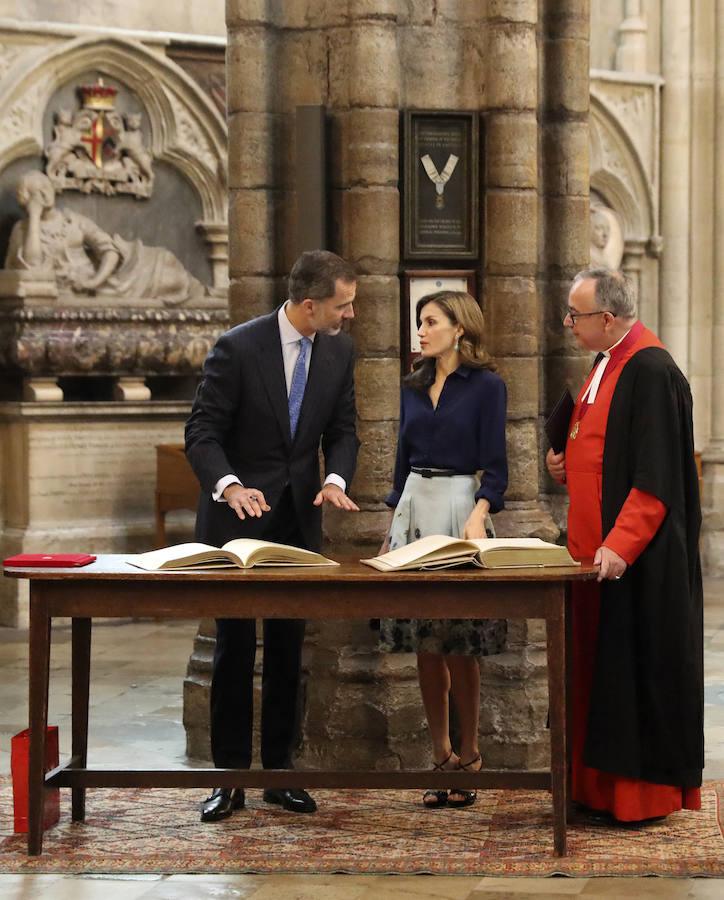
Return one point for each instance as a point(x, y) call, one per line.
point(637, 744)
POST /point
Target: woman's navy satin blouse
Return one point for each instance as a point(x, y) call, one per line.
point(465, 433)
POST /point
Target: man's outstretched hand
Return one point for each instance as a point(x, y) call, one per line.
point(246, 501)
point(333, 493)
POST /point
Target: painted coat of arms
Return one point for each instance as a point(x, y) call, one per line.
point(97, 149)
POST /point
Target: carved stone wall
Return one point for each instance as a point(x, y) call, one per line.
point(82, 474)
point(185, 130)
point(625, 173)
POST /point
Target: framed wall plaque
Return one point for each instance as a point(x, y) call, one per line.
point(441, 164)
point(417, 283)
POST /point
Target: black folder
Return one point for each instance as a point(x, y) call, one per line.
point(556, 425)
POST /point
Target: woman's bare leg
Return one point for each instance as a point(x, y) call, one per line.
point(465, 690)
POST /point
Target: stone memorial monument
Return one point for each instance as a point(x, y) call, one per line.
point(606, 238)
point(113, 288)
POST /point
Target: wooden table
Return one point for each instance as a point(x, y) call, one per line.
point(111, 587)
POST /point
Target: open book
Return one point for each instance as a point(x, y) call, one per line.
point(437, 551)
point(242, 553)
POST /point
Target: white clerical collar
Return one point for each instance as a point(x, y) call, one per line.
point(613, 346)
point(287, 332)
point(592, 389)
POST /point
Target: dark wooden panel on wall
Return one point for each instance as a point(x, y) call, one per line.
point(440, 178)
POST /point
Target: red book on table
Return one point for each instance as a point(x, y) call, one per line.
point(49, 560)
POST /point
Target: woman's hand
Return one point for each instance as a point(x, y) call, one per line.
point(386, 543)
point(475, 525)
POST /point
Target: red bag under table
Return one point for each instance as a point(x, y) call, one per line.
point(19, 759)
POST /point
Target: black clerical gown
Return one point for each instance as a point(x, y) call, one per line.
point(638, 674)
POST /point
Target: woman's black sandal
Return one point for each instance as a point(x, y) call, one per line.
point(467, 798)
point(437, 798)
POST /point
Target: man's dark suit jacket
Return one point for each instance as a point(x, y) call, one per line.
point(239, 425)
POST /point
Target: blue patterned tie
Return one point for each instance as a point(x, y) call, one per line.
point(299, 382)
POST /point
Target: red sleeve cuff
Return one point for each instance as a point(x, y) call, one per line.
point(636, 524)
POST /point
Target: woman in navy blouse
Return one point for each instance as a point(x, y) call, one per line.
point(452, 427)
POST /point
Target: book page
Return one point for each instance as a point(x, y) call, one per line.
point(506, 543)
point(428, 549)
point(251, 552)
point(179, 555)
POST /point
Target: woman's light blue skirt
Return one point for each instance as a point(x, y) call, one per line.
point(438, 506)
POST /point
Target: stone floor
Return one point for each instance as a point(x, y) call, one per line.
point(137, 671)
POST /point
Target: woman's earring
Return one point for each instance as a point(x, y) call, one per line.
point(456, 345)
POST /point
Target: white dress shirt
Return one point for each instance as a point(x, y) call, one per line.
point(291, 348)
point(592, 389)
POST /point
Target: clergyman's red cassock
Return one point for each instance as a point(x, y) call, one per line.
point(626, 798)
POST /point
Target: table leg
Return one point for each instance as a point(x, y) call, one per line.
point(39, 671)
point(80, 689)
point(569, 698)
point(556, 645)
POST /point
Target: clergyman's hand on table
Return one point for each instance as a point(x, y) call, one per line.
point(333, 493)
point(612, 565)
point(245, 501)
point(556, 465)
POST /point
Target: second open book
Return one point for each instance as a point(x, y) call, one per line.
point(437, 551)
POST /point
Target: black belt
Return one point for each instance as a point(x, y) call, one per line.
point(434, 473)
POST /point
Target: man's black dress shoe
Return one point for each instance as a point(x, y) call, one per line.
point(221, 804)
point(292, 799)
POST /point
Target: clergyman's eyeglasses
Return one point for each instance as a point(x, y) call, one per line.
point(576, 315)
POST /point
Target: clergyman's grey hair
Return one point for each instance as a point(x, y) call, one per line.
point(614, 291)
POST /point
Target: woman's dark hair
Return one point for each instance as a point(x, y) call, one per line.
point(461, 309)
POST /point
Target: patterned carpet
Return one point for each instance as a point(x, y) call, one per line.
point(505, 833)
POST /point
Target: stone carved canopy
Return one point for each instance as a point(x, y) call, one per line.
point(625, 128)
point(46, 331)
point(187, 131)
point(624, 135)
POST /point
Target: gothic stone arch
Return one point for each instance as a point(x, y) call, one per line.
point(624, 131)
point(187, 130)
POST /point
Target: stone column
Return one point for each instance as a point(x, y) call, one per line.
point(564, 231)
point(702, 248)
point(364, 87)
point(511, 247)
point(675, 179)
point(250, 68)
point(713, 494)
point(631, 53)
point(363, 708)
point(565, 226)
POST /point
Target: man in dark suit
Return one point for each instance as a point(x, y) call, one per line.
point(273, 389)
